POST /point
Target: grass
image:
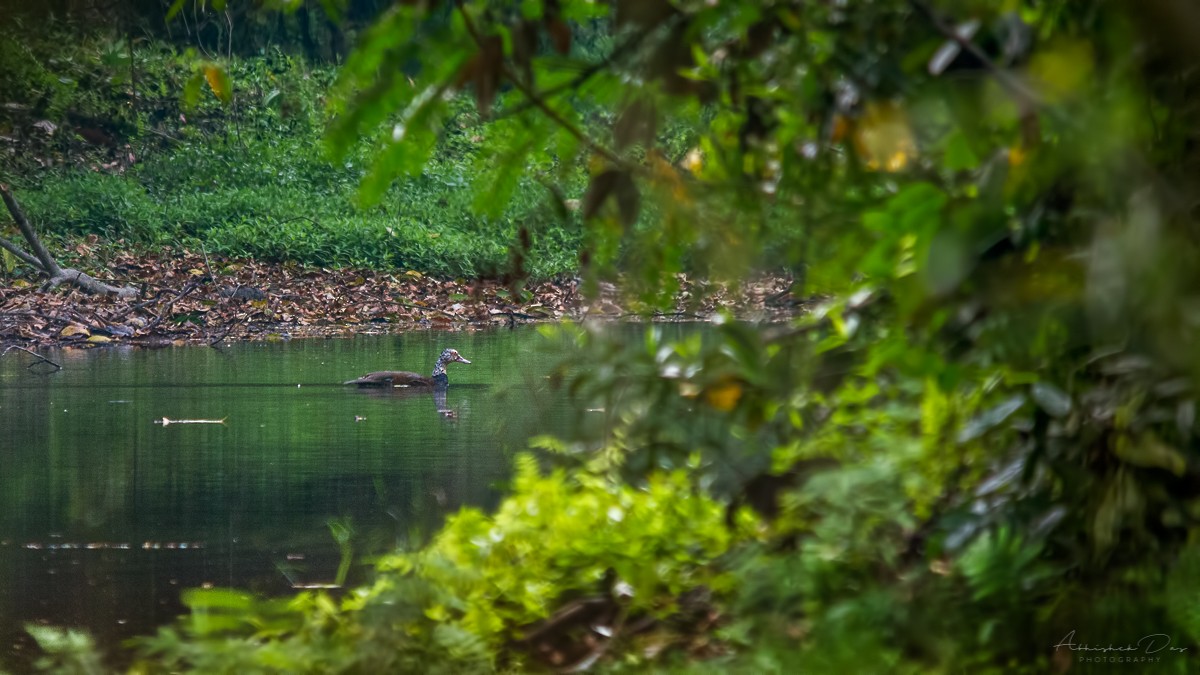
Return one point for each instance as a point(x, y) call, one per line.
point(250, 179)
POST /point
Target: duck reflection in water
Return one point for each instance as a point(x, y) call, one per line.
point(439, 401)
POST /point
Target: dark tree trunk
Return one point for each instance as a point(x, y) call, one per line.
point(306, 36)
point(280, 35)
point(337, 41)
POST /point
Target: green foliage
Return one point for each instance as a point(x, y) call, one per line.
point(66, 651)
point(982, 437)
point(248, 177)
point(481, 582)
point(343, 532)
point(559, 537)
point(1183, 588)
point(997, 325)
point(999, 561)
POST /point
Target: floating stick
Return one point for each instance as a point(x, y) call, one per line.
point(166, 420)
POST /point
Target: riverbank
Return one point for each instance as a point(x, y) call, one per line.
point(187, 297)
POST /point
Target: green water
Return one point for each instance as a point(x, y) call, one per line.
point(105, 515)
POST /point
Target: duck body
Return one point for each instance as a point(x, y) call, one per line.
point(404, 378)
point(397, 378)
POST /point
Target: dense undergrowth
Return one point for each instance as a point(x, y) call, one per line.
point(129, 160)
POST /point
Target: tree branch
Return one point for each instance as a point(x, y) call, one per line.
point(48, 264)
point(1030, 98)
point(45, 263)
point(20, 253)
point(540, 104)
point(558, 119)
point(583, 76)
point(1027, 95)
point(34, 354)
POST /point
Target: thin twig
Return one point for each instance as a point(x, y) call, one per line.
point(558, 119)
point(165, 135)
point(585, 663)
point(139, 306)
point(233, 324)
point(33, 354)
point(20, 253)
point(583, 76)
point(206, 265)
point(40, 315)
point(1027, 96)
point(91, 322)
point(1006, 79)
point(167, 307)
point(540, 104)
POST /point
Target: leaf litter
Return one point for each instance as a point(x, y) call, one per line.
point(187, 297)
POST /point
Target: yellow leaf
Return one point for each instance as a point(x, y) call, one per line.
point(356, 281)
point(414, 274)
point(724, 395)
point(74, 329)
point(1016, 155)
point(99, 339)
point(195, 272)
point(218, 81)
point(839, 128)
point(883, 138)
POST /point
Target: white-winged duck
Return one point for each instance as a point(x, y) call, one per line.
point(403, 378)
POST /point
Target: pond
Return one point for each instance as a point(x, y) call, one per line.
point(106, 514)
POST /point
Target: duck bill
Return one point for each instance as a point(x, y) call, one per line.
point(461, 360)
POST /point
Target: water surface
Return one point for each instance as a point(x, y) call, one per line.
point(106, 515)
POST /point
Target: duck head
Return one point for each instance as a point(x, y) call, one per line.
point(452, 355)
point(447, 356)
